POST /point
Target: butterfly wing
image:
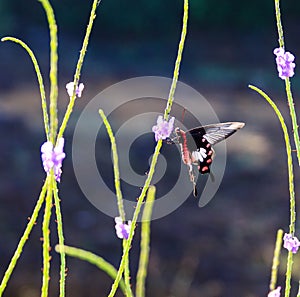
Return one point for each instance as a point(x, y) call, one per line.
point(214, 133)
point(201, 139)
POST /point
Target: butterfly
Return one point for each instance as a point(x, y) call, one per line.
point(196, 145)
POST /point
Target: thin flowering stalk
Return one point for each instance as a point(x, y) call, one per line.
point(78, 68)
point(276, 262)
point(178, 60)
point(24, 238)
point(40, 80)
point(134, 220)
point(155, 155)
point(93, 259)
point(145, 243)
point(287, 82)
point(46, 238)
point(116, 165)
point(53, 68)
point(279, 24)
point(291, 184)
point(118, 193)
point(127, 277)
point(60, 239)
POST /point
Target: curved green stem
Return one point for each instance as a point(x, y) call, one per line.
point(116, 165)
point(145, 243)
point(293, 117)
point(291, 184)
point(46, 238)
point(60, 239)
point(39, 77)
point(135, 218)
point(93, 259)
point(24, 238)
point(78, 69)
point(118, 193)
point(155, 155)
point(276, 258)
point(53, 68)
point(288, 84)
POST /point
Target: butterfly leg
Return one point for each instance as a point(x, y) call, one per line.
point(192, 179)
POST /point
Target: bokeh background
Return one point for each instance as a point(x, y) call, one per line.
point(224, 249)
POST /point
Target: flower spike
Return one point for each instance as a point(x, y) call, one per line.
point(163, 129)
point(53, 157)
point(285, 63)
point(291, 243)
point(122, 229)
point(70, 88)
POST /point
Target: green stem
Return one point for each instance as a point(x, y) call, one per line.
point(24, 238)
point(78, 69)
point(116, 165)
point(46, 238)
point(293, 116)
point(93, 259)
point(53, 68)
point(60, 239)
point(39, 77)
point(178, 60)
point(276, 261)
point(127, 277)
point(118, 193)
point(155, 155)
point(279, 24)
point(134, 220)
point(145, 243)
point(288, 84)
point(291, 184)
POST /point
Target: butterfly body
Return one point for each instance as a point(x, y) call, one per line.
point(196, 145)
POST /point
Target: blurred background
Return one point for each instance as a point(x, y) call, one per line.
point(224, 249)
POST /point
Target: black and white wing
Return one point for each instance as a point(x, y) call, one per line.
point(214, 133)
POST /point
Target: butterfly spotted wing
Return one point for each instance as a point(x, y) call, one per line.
point(203, 138)
point(196, 145)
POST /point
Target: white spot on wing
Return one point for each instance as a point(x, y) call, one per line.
point(199, 155)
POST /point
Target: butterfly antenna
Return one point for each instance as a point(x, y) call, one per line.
point(183, 114)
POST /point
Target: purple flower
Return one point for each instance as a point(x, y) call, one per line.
point(70, 88)
point(284, 61)
point(163, 129)
point(122, 229)
point(53, 157)
point(291, 243)
point(275, 293)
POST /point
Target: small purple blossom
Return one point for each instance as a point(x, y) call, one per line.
point(291, 243)
point(163, 129)
point(285, 63)
point(275, 293)
point(122, 229)
point(53, 157)
point(70, 88)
